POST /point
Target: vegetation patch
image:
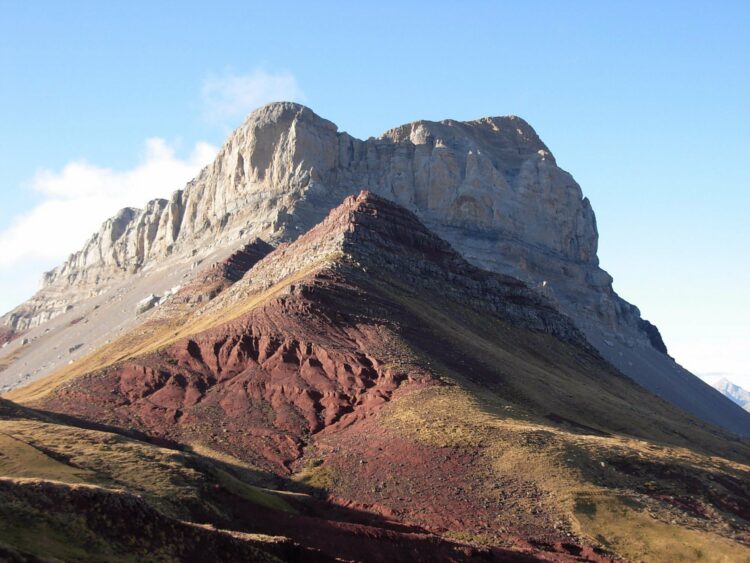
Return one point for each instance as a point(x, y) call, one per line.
point(638, 536)
point(316, 475)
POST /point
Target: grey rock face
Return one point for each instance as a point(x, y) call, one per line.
point(490, 187)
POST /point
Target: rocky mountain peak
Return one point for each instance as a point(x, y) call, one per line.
point(489, 187)
point(504, 139)
point(277, 139)
point(280, 172)
point(370, 220)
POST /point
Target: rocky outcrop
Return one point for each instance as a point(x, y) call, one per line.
point(233, 268)
point(490, 187)
point(653, 334)
point(146, 304)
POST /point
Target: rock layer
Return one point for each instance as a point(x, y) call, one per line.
point(285, 168)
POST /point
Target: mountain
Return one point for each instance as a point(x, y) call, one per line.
point(490, 187)
point(733, 392)
point(369, 394)
point(394, 349)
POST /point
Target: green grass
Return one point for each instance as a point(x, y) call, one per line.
point(316, 476)
point(35, 532)
point(256, 495)
point(38, 518)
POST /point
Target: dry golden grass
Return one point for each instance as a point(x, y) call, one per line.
point(258, 480)
point(539, 375)
point(42, 455)
point(111, 526)
point(562, 464)
point(316, 476)
point(170, 480)
point(76, 455)
point(19, 459)
point(563, 468)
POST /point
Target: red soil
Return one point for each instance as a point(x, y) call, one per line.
point(443, 489)
point(256, 388)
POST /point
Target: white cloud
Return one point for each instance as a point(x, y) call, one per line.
point(230, 97)
point(75, 201)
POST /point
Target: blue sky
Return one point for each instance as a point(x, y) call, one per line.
point(645, 103)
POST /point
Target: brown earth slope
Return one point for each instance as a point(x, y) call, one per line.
point(371, 362)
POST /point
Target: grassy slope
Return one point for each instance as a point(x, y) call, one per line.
point(547, 377)
point(565, 469)
point(608, 423)
point(48, 520)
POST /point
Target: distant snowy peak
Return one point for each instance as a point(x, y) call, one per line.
point(733, 392)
